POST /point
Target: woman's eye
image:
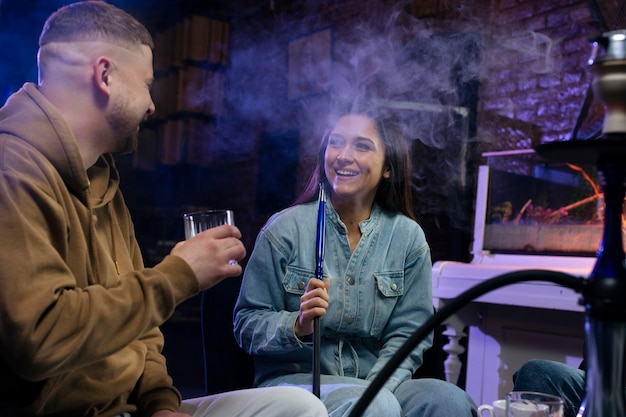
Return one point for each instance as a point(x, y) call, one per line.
point(363, 146)
point(334, 142)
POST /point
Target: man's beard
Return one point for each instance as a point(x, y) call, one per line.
point(128, 143)
point(125, 129)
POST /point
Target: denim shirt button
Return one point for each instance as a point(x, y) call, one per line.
point(351, 281)
point(300, 285)
point(394, 287)
point(350, 319)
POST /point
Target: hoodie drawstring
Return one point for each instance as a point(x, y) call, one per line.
point(113, 247)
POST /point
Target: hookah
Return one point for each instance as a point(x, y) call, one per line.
point(604, 291)
point(604, 296)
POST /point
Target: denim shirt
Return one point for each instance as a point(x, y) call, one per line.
point(379, 294)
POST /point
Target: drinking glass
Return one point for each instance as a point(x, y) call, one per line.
point(533, 404)
point(200, 221)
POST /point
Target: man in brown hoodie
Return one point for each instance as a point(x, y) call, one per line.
point(79, 312)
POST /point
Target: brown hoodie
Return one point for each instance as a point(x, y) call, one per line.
point(77, 338)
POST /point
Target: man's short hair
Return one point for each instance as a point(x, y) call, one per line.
point(94, 21)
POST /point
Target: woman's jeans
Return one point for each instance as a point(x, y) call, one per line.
point(413, 398)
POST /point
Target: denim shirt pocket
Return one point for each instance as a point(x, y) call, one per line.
point(294, 283)
point(390, 286)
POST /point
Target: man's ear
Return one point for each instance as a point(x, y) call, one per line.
point(102, 74)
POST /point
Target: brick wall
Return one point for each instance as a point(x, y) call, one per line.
point(533, 73)
point(535, 68)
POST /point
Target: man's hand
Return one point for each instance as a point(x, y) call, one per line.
point(313, 303)
point(210, 254)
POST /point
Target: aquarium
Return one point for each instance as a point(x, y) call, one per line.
point(529, 205)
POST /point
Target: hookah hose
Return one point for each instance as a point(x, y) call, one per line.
point(575, 283)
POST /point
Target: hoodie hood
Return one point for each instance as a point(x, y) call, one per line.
point(32, 119)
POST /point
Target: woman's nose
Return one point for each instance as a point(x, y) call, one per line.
point(345, 155)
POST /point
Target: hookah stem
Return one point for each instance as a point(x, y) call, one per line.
point(319, 274)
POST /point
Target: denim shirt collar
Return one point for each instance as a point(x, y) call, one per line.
point(366, 226)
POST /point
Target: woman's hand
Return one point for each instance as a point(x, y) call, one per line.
point(313, 303)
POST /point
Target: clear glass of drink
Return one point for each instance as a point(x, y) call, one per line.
point(533, 404)
point(200, 221)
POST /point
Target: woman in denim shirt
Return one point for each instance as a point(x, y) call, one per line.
point(377, 281)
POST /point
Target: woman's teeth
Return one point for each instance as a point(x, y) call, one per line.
point(346, 173)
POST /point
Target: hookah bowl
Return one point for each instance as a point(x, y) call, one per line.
point(609, 79)
point(604, 295)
